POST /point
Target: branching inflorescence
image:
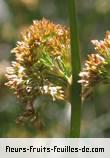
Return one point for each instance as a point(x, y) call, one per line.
point(97, 66)
point(43, 64)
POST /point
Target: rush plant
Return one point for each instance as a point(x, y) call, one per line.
point(47, 63)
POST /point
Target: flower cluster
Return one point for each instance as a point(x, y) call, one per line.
point(42, 65)
point(97, 66)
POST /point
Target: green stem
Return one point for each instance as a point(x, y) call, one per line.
point(75, 93)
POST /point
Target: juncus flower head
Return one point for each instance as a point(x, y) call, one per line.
point(42, 62)
point(97, 67)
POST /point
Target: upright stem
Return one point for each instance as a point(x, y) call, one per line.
point(75, 92)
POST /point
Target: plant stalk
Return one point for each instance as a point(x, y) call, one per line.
point(75, 90)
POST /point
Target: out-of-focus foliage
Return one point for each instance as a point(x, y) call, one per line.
point(93, 20)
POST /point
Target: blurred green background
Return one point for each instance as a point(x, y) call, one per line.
point(93, 21)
